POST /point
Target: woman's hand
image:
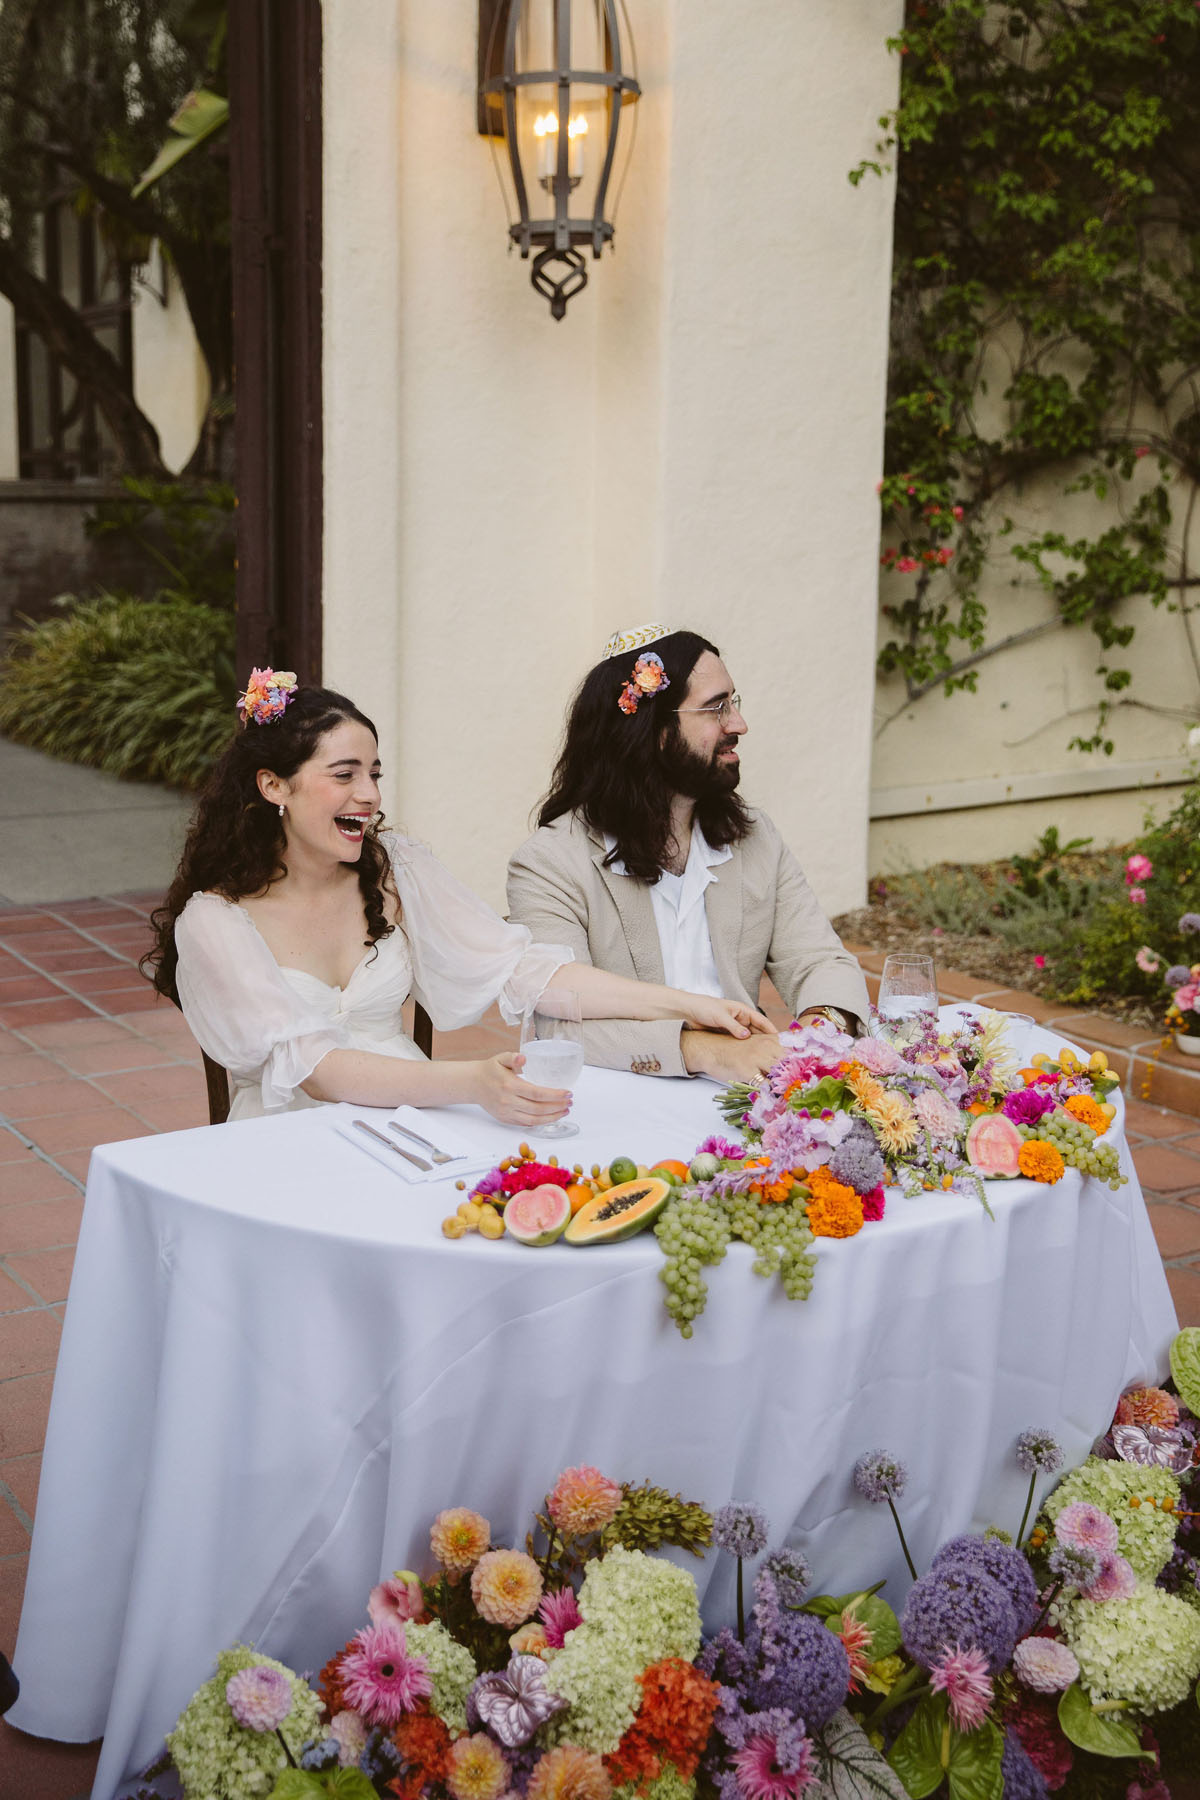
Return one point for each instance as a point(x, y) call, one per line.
point(500, 1090)
point(737, 1018)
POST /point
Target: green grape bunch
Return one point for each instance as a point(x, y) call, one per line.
point(1079, 1146)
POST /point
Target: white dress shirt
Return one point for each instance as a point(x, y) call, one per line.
point(679, 913)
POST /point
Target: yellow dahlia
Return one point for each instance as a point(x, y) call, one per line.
point(477, 1769)
point(458, 1538)
point(569, 1773)
point(506, 1586)
point(895, 1123)
point(863, 1085)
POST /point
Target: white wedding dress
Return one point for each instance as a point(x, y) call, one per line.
point(270, 1026)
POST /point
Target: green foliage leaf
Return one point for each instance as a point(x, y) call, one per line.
point(1185, 1366)
point(829, 1091)
point(930, 1749)
point(299, 1784)
point(848, 1765)
point(1100, 1733)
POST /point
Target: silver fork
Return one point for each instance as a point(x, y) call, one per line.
point(439, 1156)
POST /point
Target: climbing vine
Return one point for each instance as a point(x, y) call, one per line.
point(1045, 323)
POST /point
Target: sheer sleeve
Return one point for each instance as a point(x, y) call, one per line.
point(241, 1010)
point(465, 955)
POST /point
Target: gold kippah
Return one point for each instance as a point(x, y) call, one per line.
point(635, 637)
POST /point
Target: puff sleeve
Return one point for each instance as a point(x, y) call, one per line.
point(241, 1010)
point(465, 956)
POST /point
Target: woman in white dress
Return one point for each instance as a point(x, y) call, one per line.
point(296, 927)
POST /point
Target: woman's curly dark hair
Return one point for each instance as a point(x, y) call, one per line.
point(611, 771)
point(236, 838)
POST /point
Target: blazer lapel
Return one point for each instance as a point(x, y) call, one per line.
point(636, 913)
point(723, 906)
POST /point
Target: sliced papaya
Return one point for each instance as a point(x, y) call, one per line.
point(624, 1209)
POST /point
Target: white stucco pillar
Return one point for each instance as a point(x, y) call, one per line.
point(698, 440)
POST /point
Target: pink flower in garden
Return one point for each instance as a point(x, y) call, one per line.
point(1116, 1580)
point(962, 1675)
point(957, 511)
point(1137, 896)
point(944, 555)
point(1143, 449)
point(1139, 867)
point(559, 1613)
point(1146, 960)
point(905, 565)
point(260, 1698)
point(1039, 962)
point(379, 1677)
point(1086, 1527)
point(396, 1601)
point(583, 1500)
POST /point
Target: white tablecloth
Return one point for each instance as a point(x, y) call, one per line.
point(275, 1371)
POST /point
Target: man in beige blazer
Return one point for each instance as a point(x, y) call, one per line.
point(647, 862)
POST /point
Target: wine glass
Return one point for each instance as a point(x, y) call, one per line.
point(552, 1045)
point(908, 994)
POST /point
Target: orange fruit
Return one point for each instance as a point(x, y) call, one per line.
point(579, 1193)
point(671, 1163)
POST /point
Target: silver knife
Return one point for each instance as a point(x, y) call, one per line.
point(439, 1156)
point(361, 1125)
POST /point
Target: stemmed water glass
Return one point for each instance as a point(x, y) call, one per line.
point(552, 1045)
point(908, 995)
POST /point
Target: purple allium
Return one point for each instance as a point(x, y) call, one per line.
point(1005, 1565)
point(740, 1528)
point(790, 1572)
point(726, 1659)
point(805, 1668)
point(1189, 923)
point(260, 1698)
point(880, 1476)
point(1027, 1105)
point(1039, 1452)
point(1022, 1780)
point(1075, 1565)
point(1177, 975)
point(960, 1605)
point(858, 1164)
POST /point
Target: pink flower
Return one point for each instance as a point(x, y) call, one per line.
point(856, 1636)
point(583, 1500)
point(260, 1698)
point(957, 511)
point(1039, 962)
point(962, 1675)
point(1086, 1528)
point(759, 1776)
point(906, 564)
point(1116, 1580)
point(1137, 896)
point(396, 1601)
point(379, 1677)
point(1146, 960)
point(873, 1204)
point(1185, 997)
point(937, 1114)
point(944, 555)
point(350, 1734)
point(877, 1056)
point(1045, 1665)
point(1139, 867)
point(1142, 449)
point(559, 1613)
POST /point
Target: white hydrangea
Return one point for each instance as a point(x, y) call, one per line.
point(1144, 1650)
point(1134, 1498)
point(218, 1759)
point(451, 1670)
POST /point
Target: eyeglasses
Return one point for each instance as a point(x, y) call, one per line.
point(733, 704)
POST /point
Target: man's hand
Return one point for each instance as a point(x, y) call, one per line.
point(729, 1059)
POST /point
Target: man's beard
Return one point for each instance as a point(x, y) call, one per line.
point(699, 777)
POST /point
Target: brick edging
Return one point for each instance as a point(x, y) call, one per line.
point(1148, 1070)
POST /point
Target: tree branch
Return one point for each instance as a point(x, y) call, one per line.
point(918, 692)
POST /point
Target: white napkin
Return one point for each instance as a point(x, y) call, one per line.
point(467, 1146)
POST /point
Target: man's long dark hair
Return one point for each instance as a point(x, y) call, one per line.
point(611, 767)
point(236, 840)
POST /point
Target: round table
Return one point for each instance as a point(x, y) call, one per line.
point(275, 1370)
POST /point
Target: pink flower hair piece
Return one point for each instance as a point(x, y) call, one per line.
point(269, 693)
point(559, 1613)
point(649, 678)
point(380, 1679)
point(962, 1675)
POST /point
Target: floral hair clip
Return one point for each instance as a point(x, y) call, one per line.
point(648, 679)
point(267, 696)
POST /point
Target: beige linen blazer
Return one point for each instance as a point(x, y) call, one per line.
point(762, 916)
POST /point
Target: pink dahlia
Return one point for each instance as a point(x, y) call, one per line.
point(1045, 1665)
point(962, 1675)
point(569, 1773)
point(877, 1056)
point(560, 1613)
point(506, 1586)
point(583, 1500)
point(1086, 1527)
point(759, 1775)
point(1148, 1406)
point(396, 1601)
point(937, 1114)
point(259, 1698)
point(379, 1677)
point(1116, 1580)
point(458, 1538)
point(478, 1768)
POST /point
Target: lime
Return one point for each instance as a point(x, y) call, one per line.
point(622, 1168)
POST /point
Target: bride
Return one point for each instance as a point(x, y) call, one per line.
point(296, 927)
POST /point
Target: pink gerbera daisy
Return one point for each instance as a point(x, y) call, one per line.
point(962, 1675)
point(759, 1776)
point(559, 1613)
point(380, 1680)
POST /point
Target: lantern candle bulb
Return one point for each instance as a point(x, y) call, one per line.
point(545, 128)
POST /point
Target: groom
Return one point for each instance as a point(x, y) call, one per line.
point(647, 862)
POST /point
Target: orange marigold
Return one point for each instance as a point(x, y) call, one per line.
point(1088, 1112)
point(834, 1210)
point(329, 1685)
point(672, 1725)
point(1040, 1161)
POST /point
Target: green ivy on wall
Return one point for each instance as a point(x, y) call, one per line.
point(1045, 323)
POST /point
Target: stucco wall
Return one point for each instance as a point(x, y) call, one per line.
point(698, 440)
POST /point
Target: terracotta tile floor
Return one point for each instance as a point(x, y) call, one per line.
point(89, 1055)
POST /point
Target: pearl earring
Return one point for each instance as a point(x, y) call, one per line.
point(281, 809)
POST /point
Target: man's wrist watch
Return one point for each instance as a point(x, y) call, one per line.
point(833, 1014)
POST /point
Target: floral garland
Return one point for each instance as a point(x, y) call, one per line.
point(574, 1668)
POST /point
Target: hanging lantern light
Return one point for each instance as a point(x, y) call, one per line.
point(555, 77)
